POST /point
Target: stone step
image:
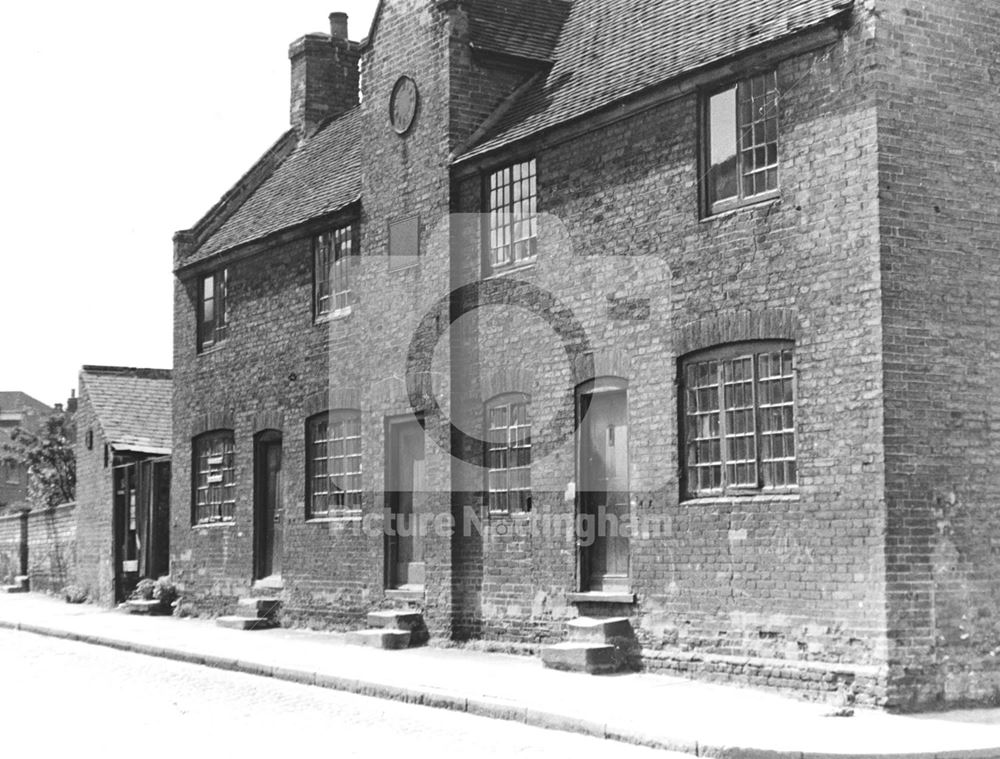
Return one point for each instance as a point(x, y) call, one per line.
point(593, 630)
point(400, 619)
point(246, 623)
point(573, 656)
point(257, 608)
point(387, 639)
point(396, 619)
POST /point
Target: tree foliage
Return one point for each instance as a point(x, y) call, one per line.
point(48, 458)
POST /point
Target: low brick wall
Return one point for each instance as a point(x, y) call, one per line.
point(52, 547)
point(825, 681)
point(45, 541)
point(12, 528)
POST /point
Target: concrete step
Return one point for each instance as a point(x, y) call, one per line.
point(21, 584)
point(388, 639)
point(246, 623)
point(573, 656)
point(400, 619)
point(396, 619)
point(593, 630)
point(257, 608)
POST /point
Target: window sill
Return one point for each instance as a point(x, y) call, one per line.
point(512, 270)
point(757, 201)
point(601, 597)
point(214, 525)
point(334, 520)
point(396, 594)
point(763, 495)
point(332, 316)
point(509, 514)
point(404, 267)
point(217, 348)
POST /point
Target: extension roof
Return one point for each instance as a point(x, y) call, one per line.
point(610, 50)
point(133, 406)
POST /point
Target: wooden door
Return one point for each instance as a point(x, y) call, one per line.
point(604, 486)
point(269, 507)
point(407, 502)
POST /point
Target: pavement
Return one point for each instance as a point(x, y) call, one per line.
point(644, 709)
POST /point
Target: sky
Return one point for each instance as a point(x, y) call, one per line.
point(124, 122)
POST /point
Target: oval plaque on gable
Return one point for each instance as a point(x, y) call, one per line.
point(403, 104)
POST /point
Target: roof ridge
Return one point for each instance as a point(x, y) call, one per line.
point(129, 371)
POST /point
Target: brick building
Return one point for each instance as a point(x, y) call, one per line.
point(122, 448)
point(722, 274)
point(17, 410)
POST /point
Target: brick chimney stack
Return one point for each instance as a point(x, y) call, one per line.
point(324, 76)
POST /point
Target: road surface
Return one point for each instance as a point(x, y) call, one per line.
point(64, 698)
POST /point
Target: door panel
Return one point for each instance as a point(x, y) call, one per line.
point(407, 502)
point(605, 488)
point(275, 510)
point(268, 507)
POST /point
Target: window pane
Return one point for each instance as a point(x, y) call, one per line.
point(335, 446)
point(513, 214)
point(739, 420)
point(508, 455)
point(215, 477)
point(703, 427)
point(722, 146)
point(777, 418)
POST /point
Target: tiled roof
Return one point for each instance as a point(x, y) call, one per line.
point(16, 401)
point(526, 28)
point(321, 176)
point(133, 406)
point(612, 49)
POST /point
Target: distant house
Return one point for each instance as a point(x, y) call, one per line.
point(17, 410)
point(123, 433)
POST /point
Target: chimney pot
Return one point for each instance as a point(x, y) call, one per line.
point(338, 26)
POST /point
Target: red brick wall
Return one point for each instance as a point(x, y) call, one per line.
point(797, 578)
point(877, 260)
point(276, 364)
point(48, 538)
point(11, 539)
point(52, 547)
point(939, 80)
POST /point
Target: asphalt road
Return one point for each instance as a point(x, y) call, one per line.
point(60, 697)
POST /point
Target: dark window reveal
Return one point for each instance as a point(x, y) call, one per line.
point(212, 317)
